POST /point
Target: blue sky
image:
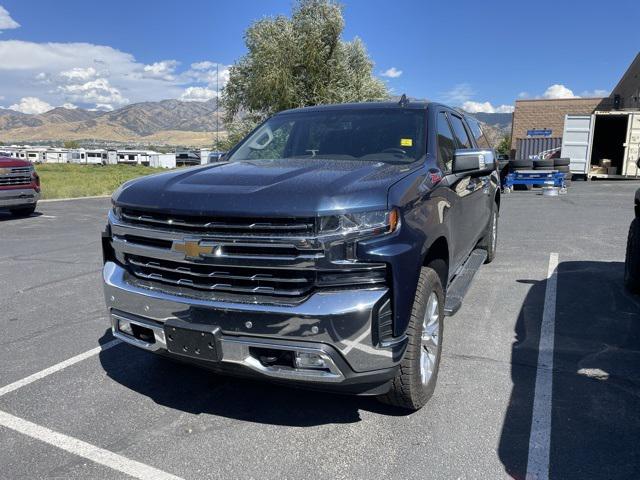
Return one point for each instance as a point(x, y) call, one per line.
point(108, 54)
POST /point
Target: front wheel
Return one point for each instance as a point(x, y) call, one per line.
point(415, 381)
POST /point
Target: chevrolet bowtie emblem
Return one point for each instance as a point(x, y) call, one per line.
point(192, 248)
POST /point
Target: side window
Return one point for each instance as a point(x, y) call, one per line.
point(446, 143)
point(476, 131)
point(460, 131)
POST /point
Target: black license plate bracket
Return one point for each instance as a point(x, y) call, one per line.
point(197, 341)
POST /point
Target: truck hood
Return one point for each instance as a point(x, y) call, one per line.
point(6, 162)
point(291, 187)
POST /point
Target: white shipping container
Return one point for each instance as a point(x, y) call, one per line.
point(613, 135)
point(162, 160)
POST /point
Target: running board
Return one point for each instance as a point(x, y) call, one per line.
point(462, 281)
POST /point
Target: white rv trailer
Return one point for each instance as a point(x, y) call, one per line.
point(140, 157)
point(96, 156)
point(35, 154)
point(77, 156)
point(57, 155)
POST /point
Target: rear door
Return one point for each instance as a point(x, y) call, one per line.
point(576, 142)
point(632, 147)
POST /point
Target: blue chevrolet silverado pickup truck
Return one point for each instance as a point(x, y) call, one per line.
point(324, 251)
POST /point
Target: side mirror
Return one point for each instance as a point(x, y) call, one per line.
point(473, 160)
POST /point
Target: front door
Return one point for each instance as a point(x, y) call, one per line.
point(460, 195)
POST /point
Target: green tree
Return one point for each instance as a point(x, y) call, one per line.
point(71, 144)
point(297, 62)
point(504, 145)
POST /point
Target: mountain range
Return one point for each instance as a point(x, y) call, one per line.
point(171, 122)
point(167, 122)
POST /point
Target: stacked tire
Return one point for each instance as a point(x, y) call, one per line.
point(518, 165)
point(547, 164)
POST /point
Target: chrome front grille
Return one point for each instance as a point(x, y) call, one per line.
point(213, 225)
point(16, 176)
point(228, 279)
point(236, 260)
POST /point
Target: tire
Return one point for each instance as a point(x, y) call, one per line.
point(561, 162)
point(562, 168)
point(490, 240)
point(23, 211)
point(523, 164)
point(413, 384)
point(543, 164)
point(632, 258)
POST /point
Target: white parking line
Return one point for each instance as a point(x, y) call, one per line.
point(57, 367)
point(540, 438)
point(84, 449)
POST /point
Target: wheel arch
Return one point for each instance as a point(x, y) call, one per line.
point(437, 257)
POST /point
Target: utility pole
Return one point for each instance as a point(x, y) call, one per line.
point(217, 103)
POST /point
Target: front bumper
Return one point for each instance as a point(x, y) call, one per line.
point(337, 325)
point(16, 197)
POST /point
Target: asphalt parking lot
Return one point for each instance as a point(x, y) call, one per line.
point(118, 406)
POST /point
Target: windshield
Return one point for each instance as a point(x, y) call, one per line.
point(377, 135)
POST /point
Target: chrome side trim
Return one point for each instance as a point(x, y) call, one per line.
point(237, 351)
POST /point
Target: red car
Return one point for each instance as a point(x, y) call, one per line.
point(19, 186)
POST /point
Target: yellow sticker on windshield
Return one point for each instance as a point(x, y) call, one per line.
point(406, 142)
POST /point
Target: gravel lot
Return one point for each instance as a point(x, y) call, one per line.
point(191, 424)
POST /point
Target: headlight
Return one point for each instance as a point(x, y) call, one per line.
point(117, 212)
point(372, 223)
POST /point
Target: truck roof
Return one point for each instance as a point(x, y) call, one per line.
point(414, 105)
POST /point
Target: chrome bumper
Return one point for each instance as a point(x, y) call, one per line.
point(16, 197)
point(335, 324)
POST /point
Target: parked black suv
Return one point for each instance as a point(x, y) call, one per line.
point(324, 251)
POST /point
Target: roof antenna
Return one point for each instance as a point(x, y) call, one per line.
point(404, 101)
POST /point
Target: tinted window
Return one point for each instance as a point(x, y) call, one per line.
point(460, 132)
point(446, 143)
point(375, 135)
point(476, 131)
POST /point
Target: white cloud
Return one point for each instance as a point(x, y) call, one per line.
point(458, 94)
point(90, 75)
point(206, 65)
point(102, 107)
point(597, 93)
point(485, 107)
point(94, 91)
point(31, 105)
point(163, 70)
point(6, 22)
point(198, 94)
point(392, 72)
point(558, 91)
point(523, 95)
point(69, 106)
point(205, 72)
point(75, 74)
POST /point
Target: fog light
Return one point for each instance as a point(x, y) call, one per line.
point(309, 360)
point(125, 327)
